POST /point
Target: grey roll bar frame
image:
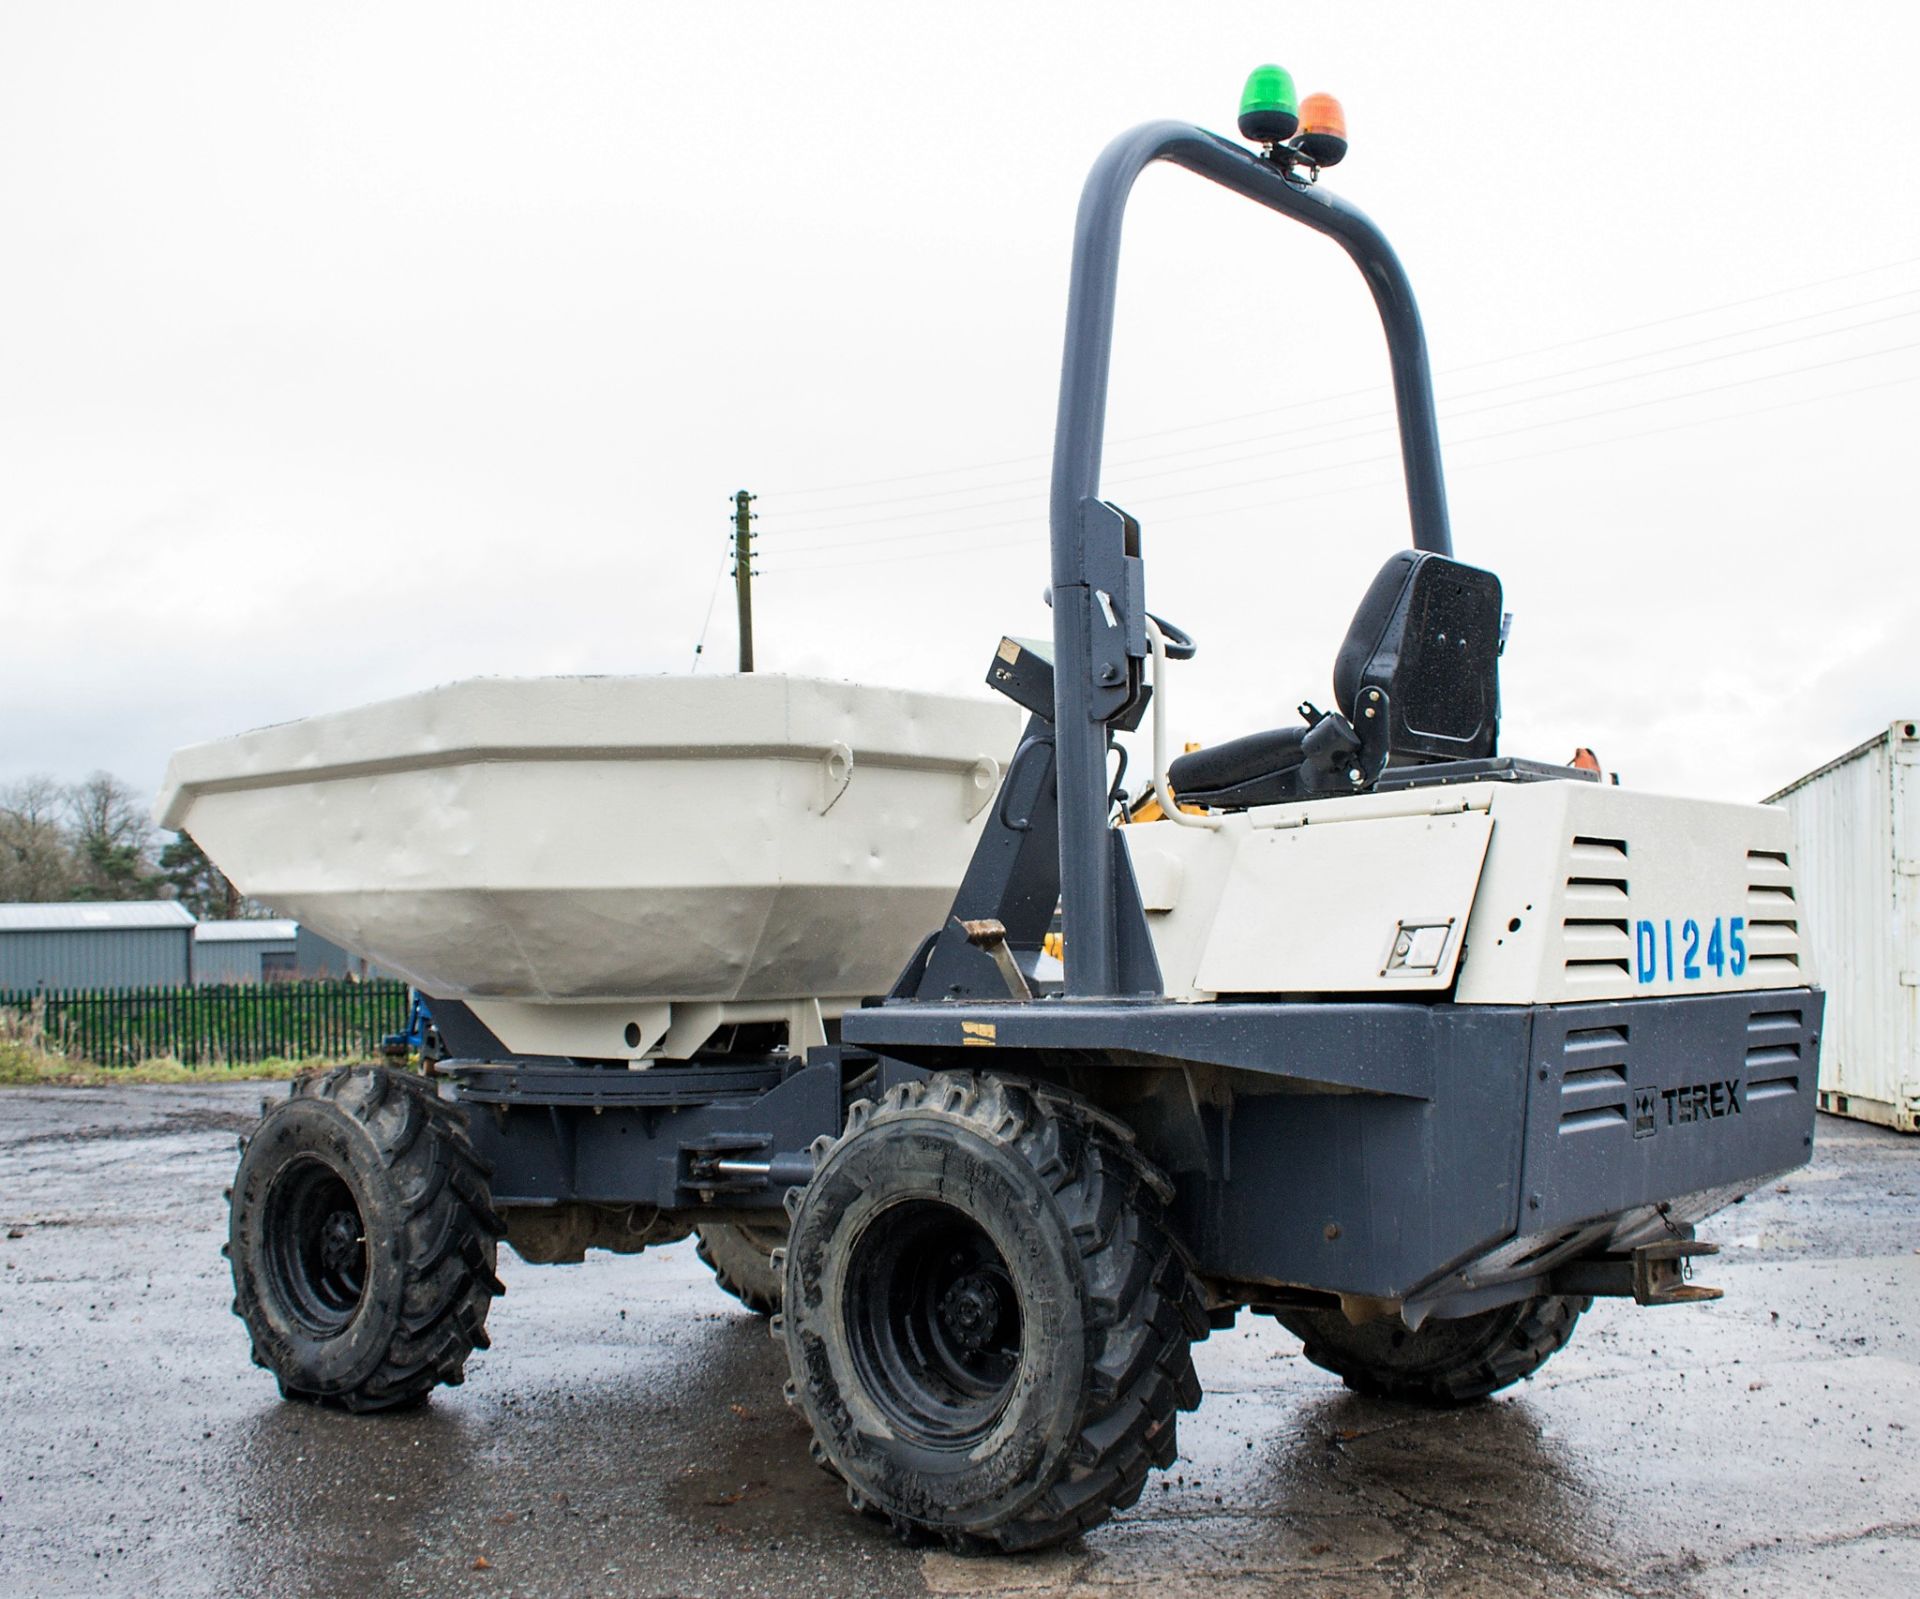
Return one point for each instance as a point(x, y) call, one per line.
point(1099, 628)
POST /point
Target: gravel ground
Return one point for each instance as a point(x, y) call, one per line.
point(625, 1435)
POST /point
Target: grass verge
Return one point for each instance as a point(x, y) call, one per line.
point(25, 1064)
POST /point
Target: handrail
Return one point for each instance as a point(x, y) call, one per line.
point(1157, 640)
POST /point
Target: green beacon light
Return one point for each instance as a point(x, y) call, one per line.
point(1269, 109)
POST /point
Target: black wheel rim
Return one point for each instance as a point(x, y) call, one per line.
point(316, 1247)
point(935, 1322)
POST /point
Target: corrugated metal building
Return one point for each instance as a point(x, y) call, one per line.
point(134, 944)
point(246, 952)
point(157, 944)
point(1856, 856)
point(314, 956)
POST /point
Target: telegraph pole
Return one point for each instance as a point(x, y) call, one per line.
point(743, 573)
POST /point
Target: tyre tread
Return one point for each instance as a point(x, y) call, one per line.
point(1145, 1307)
point(761, 1294)
point(1519, 1340)
point(446, 1235)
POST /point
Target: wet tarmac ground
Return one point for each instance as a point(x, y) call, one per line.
point(625, 1435)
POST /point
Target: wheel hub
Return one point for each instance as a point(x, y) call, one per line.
point(340, 1241)
point(970, 1311)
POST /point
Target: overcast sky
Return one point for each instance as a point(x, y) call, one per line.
point(349, 350)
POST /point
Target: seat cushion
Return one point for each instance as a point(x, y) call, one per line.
point(1260, 769)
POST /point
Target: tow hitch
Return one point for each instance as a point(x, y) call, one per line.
point(1653, 1274)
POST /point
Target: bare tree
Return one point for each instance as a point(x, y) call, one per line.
point(112, 839)
point(37, 861)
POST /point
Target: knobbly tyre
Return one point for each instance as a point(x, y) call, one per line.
point(1413, 1045)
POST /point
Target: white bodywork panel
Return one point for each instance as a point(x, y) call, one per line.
point(607, 866)
point(1618, 895)
point(1564, 891)
point(1423, 868)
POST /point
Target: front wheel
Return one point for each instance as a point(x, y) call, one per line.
point(1444, 1363)
point(987, 1322)
point(362, 1240)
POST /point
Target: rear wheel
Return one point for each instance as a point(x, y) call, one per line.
point(740, 1254)
point(1444, 1363)
point(362, 1240)
point(987, 1321)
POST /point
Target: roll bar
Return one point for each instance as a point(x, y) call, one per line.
point(1099, 614)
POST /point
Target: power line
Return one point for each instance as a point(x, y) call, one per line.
point(1551, 450)
point(1583, 416)
point(1590, 366)
point(1698, 421)
point(701, 643)
point(1033, 539)
point(1686, 316)
point(1471, 366)
point(1125, 473)
point(1449, 410)
point(1123, 480)
point(1676, 366)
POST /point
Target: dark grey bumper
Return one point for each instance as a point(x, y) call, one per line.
point(1383, 1150)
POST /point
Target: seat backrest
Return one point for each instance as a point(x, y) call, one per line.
point(1428, 633)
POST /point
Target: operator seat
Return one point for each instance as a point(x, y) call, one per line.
point(1417, 680)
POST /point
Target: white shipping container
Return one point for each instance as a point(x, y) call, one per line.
point(1856, 854)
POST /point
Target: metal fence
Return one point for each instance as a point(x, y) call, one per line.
point(240, 1022)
